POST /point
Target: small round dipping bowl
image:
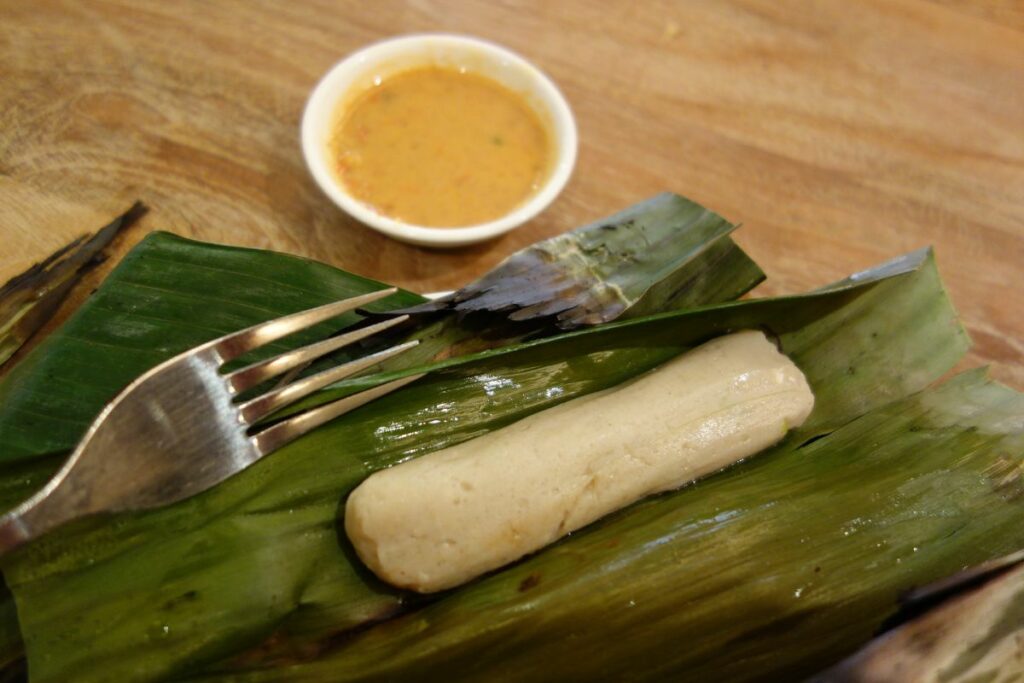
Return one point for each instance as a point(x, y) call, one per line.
point(361, 70)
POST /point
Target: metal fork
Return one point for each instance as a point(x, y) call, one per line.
point(180, 428)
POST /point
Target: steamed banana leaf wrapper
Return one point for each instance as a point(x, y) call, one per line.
point(775, 568)
point(662, 253)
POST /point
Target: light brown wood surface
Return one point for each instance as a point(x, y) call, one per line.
point(838, 133)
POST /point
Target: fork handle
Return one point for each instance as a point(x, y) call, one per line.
point(13, 532)
point(31, 519)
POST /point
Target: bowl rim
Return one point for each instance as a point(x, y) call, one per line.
point(335, 84)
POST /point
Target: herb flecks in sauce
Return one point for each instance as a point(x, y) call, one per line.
point(440, 147)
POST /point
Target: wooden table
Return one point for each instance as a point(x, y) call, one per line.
point(840, 134)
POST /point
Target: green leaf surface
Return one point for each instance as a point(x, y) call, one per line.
point(764, 573)
point(665, 253)
point(168, 295)
point(11, 647)
point(965, 628)
point(254, 572)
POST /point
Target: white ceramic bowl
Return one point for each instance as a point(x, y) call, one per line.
point(362, 69)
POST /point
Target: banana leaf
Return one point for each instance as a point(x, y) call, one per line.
point(690, 260)
point(252, 573)
point(666, 253)
point(819, 541)
point(11, 647)
point(167, 295)
point(171, 294)
point(29, 299)
point(637, 262)
point(969, 629)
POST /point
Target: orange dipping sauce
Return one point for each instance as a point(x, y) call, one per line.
point(440, 147)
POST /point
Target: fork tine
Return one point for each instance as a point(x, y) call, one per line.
point(257, 373)
point(239, 343)
point(275, 436)
point(261, 406)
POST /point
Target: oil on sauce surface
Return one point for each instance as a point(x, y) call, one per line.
point(441, 147)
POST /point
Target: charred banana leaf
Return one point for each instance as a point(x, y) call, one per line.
point(966, 629)
point(28, 300)
point(665, 253)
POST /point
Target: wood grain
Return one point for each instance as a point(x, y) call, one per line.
point(839, 137)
